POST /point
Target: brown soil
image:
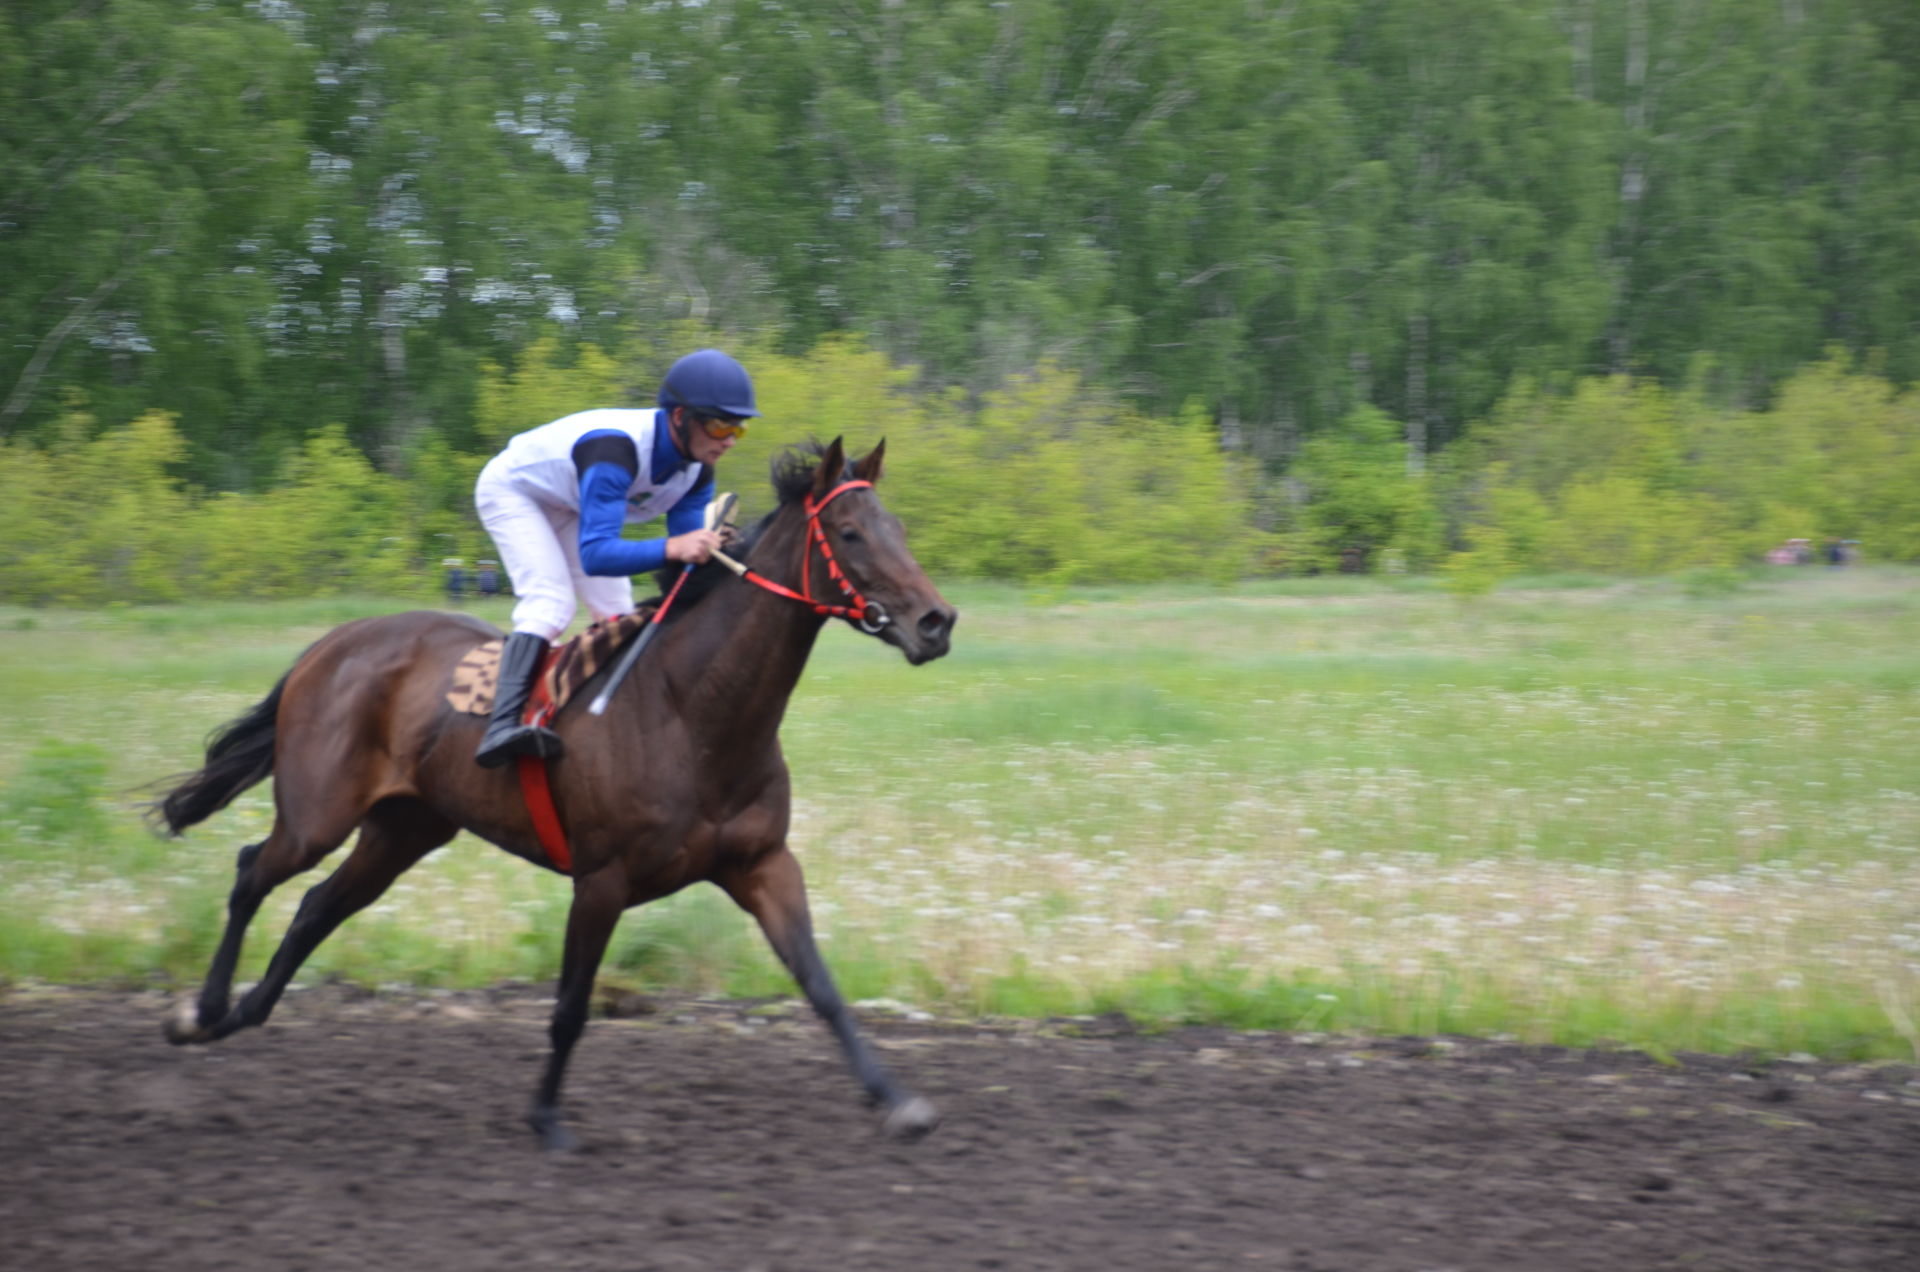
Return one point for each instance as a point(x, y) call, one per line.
point(361, 1131)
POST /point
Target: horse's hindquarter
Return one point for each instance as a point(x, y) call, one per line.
point(364, 713)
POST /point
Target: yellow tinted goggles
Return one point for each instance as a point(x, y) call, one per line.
point(720, 426)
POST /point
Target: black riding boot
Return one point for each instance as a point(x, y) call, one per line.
point(507, 738)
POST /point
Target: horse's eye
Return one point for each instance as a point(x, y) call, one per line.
point(850, 536)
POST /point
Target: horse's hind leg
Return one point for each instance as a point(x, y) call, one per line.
point(260, 869)
point(392, 840)
point(774, 892)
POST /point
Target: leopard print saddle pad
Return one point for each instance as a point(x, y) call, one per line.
point(476, 676)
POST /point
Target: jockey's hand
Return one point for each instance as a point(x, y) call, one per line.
point(693, 547)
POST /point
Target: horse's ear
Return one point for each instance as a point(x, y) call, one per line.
point(868, 469)
point(832, 464)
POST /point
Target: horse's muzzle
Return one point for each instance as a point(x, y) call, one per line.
point(927, 637)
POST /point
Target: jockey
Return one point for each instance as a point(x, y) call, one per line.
point(554, 501)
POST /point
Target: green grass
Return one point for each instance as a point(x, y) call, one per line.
point(1677, 814)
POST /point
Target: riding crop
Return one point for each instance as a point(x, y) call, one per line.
point(719, 513)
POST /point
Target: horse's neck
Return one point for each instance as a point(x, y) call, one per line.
point(740, 654)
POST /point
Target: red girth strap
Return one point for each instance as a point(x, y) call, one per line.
point(546, 818)
point(533, 778)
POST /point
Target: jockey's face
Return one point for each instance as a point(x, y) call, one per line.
point(696, 442)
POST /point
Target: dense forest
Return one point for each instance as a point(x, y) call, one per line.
point(1287, 234)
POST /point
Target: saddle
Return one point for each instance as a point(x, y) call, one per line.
point(569, 665)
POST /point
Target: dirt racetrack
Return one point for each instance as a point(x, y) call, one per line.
point(365, 1131)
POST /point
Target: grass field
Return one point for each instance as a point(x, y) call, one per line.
point(1651, 814)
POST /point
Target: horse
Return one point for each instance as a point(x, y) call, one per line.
point(681, 781)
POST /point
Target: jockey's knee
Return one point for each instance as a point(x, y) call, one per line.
point(543, 614)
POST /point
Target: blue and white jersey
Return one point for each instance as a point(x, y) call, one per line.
point(541, 462)
point(611, 467)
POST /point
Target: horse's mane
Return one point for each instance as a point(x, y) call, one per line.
point(791, 472)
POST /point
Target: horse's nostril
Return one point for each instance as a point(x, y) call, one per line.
point(934, 623)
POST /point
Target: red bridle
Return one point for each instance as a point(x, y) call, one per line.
point(866, 614)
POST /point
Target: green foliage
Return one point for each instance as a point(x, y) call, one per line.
point(1487, 558)
point(152, 205)
point(439, 514)
point(1594, 288)
point(280, 218)
point(1621, 475)
point(1841, 450)
point(1053, 482)
point(1359, 500)
point(539, 390)
point(91, 519)
point(1049, 482)
point(1616, 523)
point(103, 520)
point(334, 525)
point(842, 388)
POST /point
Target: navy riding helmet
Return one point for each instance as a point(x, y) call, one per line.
point(708, 382)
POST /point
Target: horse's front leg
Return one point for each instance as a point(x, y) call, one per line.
point(598, 901)
point(774, 892)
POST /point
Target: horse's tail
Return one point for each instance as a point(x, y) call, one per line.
point(239, 754)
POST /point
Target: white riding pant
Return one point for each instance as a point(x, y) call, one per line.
point(540, 547)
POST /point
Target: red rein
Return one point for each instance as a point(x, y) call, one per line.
point(861, 609)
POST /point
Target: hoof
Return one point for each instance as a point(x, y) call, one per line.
point(553, 1133)
point(183, 1024)
point(911, 1119)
